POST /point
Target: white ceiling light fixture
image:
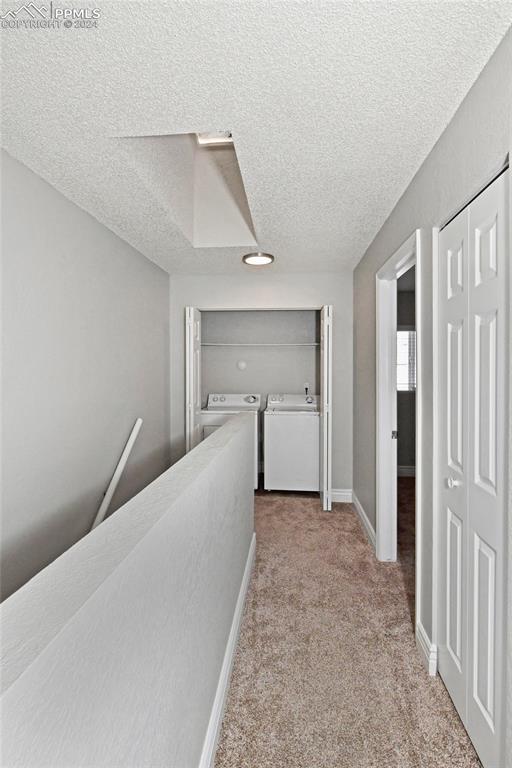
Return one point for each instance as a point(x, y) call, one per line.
point(215, 139)
point(258, 259)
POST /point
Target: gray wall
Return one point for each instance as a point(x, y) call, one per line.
point(265, 289)
point(85, 351)
point(406, 426)
point(112, 655)
point(406, 308)
point(269, 368)
point(475, 143)
point(406, 401)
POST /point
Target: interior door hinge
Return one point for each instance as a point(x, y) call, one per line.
point(394, 435)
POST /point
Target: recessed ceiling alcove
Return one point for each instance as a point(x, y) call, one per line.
point(201, 186)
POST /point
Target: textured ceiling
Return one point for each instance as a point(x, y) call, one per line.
point(333, 107)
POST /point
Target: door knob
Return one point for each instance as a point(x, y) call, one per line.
point(451, 482)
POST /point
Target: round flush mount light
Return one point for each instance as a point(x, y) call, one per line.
point(258, 259)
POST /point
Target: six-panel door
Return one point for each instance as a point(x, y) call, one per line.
point(473, 317)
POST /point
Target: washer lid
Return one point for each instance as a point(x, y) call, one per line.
point(245, 402)
point(292, 402)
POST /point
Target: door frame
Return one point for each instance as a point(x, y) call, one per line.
point(408, 255)
point(326, 493)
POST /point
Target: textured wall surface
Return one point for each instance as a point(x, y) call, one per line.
point(265, 289)
point(475, 143)
point(121, 668)
point(333, 106)
point(85, 352)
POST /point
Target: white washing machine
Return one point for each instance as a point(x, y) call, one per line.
point(291, 443)
point(220, 408)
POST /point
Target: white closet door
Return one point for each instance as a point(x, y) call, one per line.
point(326, 407)
point(192, 378)
point(453, 456)
point(488, 320)
point(473, 307)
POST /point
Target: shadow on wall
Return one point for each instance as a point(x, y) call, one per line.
point(23, 556)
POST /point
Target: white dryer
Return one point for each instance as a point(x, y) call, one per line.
point(221, 407)
point(291, 443)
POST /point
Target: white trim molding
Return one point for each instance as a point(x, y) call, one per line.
point(407, 256)
point(427, 649)
point(406, 471)
point(213, 731)
point(363, 517)
point(342, 495)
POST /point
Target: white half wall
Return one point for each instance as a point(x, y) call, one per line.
point(118, 653)
point(266, 289)
point(85, 352)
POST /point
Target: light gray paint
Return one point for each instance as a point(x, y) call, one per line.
point(476, 142)
point(333, 105)
point(85, 352)
point(122, 666)
point(260, 289)
point(269, 368)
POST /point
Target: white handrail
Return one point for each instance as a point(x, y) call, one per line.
point(102, 511)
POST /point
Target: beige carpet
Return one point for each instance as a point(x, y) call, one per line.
point(326, 673)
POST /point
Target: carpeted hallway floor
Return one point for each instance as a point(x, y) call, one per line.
point(326, 673)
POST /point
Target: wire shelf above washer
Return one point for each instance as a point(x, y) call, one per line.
point(258, 344)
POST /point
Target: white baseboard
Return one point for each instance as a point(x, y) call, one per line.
point(367, 526)
point(341, 495)
point(215, 722)
point(428, 651)
point(406, 471)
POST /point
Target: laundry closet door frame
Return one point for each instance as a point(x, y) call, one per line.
point(438, 544)
point(318, 309)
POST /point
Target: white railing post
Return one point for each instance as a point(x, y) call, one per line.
point(102, 511)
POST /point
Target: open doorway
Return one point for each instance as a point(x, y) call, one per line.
point(399, 461)
point(406, 428)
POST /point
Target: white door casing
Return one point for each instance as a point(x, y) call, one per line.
point(472, 348)
point(326, 316)
point(408, 255)
point(192, 378)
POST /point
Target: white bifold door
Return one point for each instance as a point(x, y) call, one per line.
point(472, 365)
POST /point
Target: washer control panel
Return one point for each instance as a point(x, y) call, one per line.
point(249, 402)
point(280, 402)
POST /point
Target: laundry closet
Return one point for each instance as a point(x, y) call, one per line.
point(276, 364)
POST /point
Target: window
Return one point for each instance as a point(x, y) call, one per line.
point(406, 361)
